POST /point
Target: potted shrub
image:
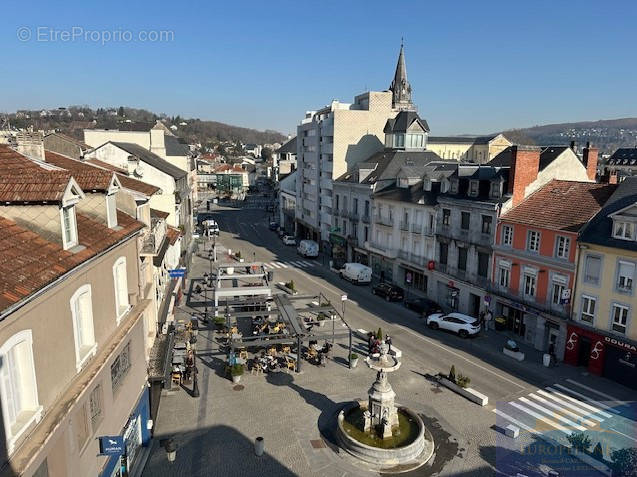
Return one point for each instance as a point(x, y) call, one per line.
point(220, 321)
point(353, 360)
point(290, 285)
point(452, 374)
point(379, 334)
point(463, 381)
point(321, 318)
point(236, 371)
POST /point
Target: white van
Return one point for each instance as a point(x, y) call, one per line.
point(356, 273)
point(308, 248)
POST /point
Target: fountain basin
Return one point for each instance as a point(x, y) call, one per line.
point(397, 451)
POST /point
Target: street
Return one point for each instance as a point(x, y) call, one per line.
point(542, 402)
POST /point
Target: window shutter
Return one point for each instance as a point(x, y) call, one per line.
point(11, 398)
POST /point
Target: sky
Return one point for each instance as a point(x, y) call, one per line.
point(474, 67)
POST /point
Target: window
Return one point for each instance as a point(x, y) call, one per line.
point(486, 224)
point(592, 269)
point(111, 211)
point(473, 188)
point(20, 406)
point(444, 253)
point(462, 258)
point(366, 208)
point(625, 273)
point(80, 427)
point(562, 246)
point(399, 140)
point(619, 317)
point(507, 235)
point(588, 308)
point(366, 230)
point(69, 227)
point(337, 200)
point(624, 230)
point(121, 288)
point(446, 216)
point(344, 227)
point(82, 315)
point(530, 283)
point(533, 241)
point(120, 367)
point(557, 292)
point(415, 141)
point(454, 186)
point(465, 220)
point(355, 206)
point(505, 276)
point(483, 264)
point(494, 190)
point(95, 407)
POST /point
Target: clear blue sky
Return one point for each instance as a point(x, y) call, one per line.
point(475, 67)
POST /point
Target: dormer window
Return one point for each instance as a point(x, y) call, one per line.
point(444, 186)
point(454, 186)
point(473, 188)
point(624, 230)
point(403, 182)
point(111, 211)
point(69, 227)
point(399, 140)
point(427, 184)
point(415, 141)
point(495, 190)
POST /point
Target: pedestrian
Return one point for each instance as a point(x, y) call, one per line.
point(553, 358)
point(388, 341)
point(370, 342)
point(488, 318)
point(482, 326)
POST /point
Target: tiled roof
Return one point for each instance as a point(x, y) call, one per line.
point(87, 176)
point(172, 234)
point(127, 182)
point(561, 205)
point(159, 213)
point(38, 186)
point(29, 262)
point(12, 162)
point(228, 167)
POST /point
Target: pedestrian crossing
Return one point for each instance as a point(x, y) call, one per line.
point(565, 409)
point(288, 264)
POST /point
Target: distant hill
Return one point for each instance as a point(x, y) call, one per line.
point(73, 119)
point(606, 134)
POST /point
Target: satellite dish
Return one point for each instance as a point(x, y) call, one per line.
point(139, 171)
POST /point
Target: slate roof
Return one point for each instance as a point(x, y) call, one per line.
point(28, 262)
point(414, 193)
point(561, 205)
point(547, 155)
point(289, 147)
point(176, 146)
point(600, 229)
point(402, 121)
point(151, 159)
point(126, 181)
point(484, 174)
point(460, 139)
point(623, 156)
point(87, 176)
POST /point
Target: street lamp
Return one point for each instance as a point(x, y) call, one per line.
point(210, 258)
point(205, 295)
point(195, 382)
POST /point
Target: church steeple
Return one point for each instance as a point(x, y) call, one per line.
point(400, 87)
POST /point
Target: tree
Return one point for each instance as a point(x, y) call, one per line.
point(624, 462)
point(379, 334)
point(452, 374)
point(579, 441)
point(266, 154)
point(120, 112)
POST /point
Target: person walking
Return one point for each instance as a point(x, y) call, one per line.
point(388, 341)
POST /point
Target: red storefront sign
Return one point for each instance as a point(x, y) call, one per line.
point(597, 347)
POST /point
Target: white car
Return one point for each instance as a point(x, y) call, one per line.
point(288, 240)
point(463, 325)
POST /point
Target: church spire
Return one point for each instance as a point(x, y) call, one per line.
point(400, 87)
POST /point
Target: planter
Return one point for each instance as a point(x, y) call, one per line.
point(353, 362)
point(321, 323)
point(230, 270)
point(469, 393)
point(546, 360)
point(281, 286)
point(518, 355)
point(236, 379)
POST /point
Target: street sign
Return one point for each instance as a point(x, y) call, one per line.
point(177, 272)
point(408, 277)
point(112, 445)
point(343, 297)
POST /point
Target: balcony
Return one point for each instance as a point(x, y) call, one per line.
point(546, 306)
point(413, 258)
point(382, 249)
point(365, 218)
point(470, 236)
point(327, 148)
point(385, 221)
point(404, 226)
point(353, 215)
point(416, 228)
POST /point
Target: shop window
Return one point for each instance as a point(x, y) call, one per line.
point(592, 269)
point(120, 367)
point(625, 273)
point(462, 258)
point(588, 309)
point(507, 235)
point(533, 241)
point(620, 318)
point(446, 216)
point(486, 224)
point(465, 220)
point(562, 246)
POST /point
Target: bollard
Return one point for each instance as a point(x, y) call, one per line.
point(259, 446)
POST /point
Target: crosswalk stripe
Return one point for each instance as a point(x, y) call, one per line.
point(274, 264)
point(580, 403)
point(297, 264)
point(580, 410)
point(599, 393)
point(516, 422)
point(587, 399)
point(552, 414)
point(577, 417)
point(540, 417)
point(309, 264)
point(282, 264)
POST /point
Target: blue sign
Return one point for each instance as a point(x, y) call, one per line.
point(177, 272)
point(112, 445)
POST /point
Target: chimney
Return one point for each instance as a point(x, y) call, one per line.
point(612, 178)
point(572, 146)
point(31, 144)
point(525, 164)
point(589, 159)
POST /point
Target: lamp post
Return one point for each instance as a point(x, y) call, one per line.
point(205, 295)
point(195, 382)
point(210, 258)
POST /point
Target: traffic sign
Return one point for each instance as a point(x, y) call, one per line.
point(343, 297)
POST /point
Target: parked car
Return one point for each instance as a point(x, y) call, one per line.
point(289, 240)
point(356, 273)
point(463, 325)
point(423, 306)
point(273, 226)
point(281, 232)
point(389, 292)
point(308, 248)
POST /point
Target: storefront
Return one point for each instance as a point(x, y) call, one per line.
point(413, 280)
point(361, 256)
point(448, 295)
point(136, 434)
point(602, 354)
point(339, 250)
point(382, 268)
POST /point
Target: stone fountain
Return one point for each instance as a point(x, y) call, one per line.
point(380, 433)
